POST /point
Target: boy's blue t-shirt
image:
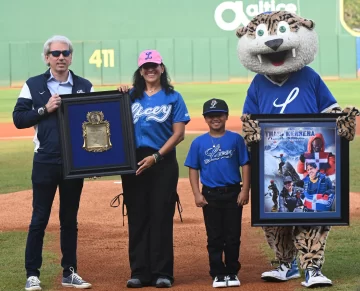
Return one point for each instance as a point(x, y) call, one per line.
point(218, 159)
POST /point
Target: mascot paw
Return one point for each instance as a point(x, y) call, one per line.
point(251, 129)
point(346, 125)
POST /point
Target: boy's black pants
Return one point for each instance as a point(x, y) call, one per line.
point(150, 202)
point(222, 217)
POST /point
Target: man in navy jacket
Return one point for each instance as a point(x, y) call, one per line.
point(36, 106)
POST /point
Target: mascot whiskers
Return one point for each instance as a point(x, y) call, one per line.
point(278, 46)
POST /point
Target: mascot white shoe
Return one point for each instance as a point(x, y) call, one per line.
point(278, 46)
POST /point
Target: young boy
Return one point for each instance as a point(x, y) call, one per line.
point(218, 156)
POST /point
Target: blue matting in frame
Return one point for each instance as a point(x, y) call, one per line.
point(332, 138)
point(82, 158)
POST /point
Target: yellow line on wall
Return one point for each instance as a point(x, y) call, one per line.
point(342, 20)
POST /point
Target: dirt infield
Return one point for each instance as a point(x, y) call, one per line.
point(103, 241)
point(103, 258)
point(102, 248)
point(9, 131)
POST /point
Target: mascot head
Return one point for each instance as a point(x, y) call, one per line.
point(277, 43)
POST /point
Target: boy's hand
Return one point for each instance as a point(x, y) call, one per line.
point(243, 197)
point(200, 200)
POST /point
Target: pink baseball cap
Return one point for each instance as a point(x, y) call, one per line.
point(149, 56)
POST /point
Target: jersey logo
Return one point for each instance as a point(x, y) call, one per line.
point(293, 94)
point(215, 153)
point(213, 103)
point(157, 113)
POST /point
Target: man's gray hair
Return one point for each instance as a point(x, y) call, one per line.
point(55, 38)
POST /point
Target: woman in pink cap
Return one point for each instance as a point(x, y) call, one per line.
point(150, 195)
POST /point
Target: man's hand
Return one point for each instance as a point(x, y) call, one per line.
point(243, 197)
point(346, 125)
point(200, 200)
point(145, 164)
point(250, 129)
point(53, 103)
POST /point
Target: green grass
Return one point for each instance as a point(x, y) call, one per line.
point(7, 103)
point(12, 270)
point(15, 165)
point(341, 257)
point(15, 172)
point(19, 153)
point(346, 92)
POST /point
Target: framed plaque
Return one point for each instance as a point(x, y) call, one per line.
point(300, 171)
point(97, 134)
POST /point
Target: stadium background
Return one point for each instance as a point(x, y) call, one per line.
point(198, 43)
point(196, 38)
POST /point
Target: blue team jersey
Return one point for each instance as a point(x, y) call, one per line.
point(303, 92)
point(218, 159)
point(154, 116)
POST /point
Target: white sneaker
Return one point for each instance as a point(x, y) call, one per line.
point(219, 282)
point(232, 281)
point(32, 284)
point(314, 278)
point(74, 280)
point(284, 272)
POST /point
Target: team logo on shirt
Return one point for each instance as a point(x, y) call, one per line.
point(215, 154)
point(290, 98)
point(157, 113)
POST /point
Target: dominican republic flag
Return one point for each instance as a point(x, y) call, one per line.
point(320, 159)
point(318, 202)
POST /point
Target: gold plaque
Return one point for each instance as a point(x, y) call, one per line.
point(96, 132)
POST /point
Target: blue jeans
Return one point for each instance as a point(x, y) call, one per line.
point(45, 180)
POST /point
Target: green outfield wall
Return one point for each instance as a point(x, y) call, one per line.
point(196, 37)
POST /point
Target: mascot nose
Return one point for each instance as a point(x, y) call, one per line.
point(274, 44)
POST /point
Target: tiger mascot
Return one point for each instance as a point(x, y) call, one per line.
point(278, 46)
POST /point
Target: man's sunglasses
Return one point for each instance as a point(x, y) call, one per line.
point(56, 54)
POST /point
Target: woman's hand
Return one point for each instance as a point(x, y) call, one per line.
point(124, 88)
point(145, 164)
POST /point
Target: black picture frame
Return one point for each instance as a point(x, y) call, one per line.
point(79, 160)
point(289, 134)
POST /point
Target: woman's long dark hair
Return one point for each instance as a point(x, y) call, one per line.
point(139, 84)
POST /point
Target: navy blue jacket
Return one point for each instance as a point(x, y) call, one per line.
point(36, 94)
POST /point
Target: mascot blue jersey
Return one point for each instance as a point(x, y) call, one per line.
point(218, 159)
point(303, 92)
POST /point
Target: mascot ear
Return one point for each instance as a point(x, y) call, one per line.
point(309, 24)
point(241, 31)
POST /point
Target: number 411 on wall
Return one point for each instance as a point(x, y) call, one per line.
point(103, 57)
